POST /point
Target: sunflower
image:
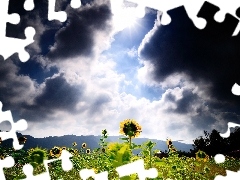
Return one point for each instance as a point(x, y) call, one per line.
point(201, 156)
point(56, 152)
point(74, 144)
point(169, 143)
point(2, 157)
point(103, 150)
point(72, 151)
point(30, 151)
point(84, 145)
point(22, 140)
point(104, 132)
point(130, 128)
point(88, 151)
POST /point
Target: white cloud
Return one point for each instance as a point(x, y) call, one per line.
point(145, 74)
point(101, 79)
point(132, 52)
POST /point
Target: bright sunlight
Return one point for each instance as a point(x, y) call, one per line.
point(125, 17)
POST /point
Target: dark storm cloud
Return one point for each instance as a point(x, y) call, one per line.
point(15, 90)
point(57, 95)
point(184, 105)
point(233, 117)
point(170, 97)
point(78, 36)
point(210, 55)
point(204, 121)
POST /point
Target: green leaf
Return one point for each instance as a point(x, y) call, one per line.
point(125, 178)
point(160, 163)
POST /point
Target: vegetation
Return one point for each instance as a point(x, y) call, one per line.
point(172, 165)
point(214, 144)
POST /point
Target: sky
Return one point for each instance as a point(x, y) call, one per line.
point(108, 63)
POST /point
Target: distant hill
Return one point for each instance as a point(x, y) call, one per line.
point(91, 141)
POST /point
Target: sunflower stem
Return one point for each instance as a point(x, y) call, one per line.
point(150, 158)
point(130, 141)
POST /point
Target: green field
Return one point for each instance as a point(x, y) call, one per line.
point(114, 154)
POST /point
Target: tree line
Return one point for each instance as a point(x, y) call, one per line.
point(212, 144)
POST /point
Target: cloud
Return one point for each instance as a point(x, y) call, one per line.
point(84, 98)
point(29, 100)
point(58, 94)
point(207, 58)
point(15, 89)
point(79, 35)
point(132, 52)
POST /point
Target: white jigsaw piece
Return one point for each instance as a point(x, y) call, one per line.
point(124, 170)
point(20, 125)
point(66, 165)
point(60, 15)
point(137, 167)
point(9, 46)
point(230, 125)
point(192, 9)
point(236, 89)
point(5, 163)
point(230, 175)
point(87, 173)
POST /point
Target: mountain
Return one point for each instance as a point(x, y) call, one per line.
point(91, 141)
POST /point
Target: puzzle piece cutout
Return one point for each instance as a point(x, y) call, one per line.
point(192, 8)
point(5, 163)
point(66, 165)
point(20, 125)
